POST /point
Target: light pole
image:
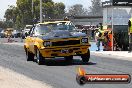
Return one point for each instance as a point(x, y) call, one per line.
point(41, 17)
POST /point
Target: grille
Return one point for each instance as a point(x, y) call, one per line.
point(64, 43)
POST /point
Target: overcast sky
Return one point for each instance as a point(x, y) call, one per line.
point(4, 4)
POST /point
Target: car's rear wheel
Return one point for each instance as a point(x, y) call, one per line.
point(69, 59)
point(29, 56)
point(40, 59)
point(85, 57)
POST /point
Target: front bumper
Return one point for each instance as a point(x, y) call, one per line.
point(64, 51)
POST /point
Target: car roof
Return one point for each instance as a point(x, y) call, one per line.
point(47, 23)
point(29, 25)
point(63, 21)
point(55, 22)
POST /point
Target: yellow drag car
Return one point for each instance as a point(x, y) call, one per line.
point(56, 39)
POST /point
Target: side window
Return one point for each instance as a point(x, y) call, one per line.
point(34, 31)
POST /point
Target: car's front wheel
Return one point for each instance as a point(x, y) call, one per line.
point(40, 59)
point(29, 56)
point(85, 57)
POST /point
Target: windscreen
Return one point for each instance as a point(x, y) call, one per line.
point(46, 28)
point(43, 29)
point(64, 26)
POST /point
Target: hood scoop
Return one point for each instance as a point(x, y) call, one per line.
point(60, 33)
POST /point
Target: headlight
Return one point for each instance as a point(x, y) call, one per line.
point(84, 40)
point(47, 43)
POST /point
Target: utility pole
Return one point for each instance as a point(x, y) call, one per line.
point(41, 16)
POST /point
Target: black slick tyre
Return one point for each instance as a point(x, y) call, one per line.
point(85, 57)
point(40, 59)
point(29, 56)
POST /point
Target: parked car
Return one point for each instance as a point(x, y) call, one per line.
point(16, 34)
point(2, 33)
point(8, 32)
point(26, 31)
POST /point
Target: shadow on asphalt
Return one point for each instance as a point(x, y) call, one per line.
point(65, 63)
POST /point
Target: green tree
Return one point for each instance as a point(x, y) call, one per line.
point(9, 24)
point(48, 9)
point(96, 8)
point(59, 10)
point(25, 9)
point(77, 10)
point(18, 24)
point(2, 24)
point(9, 14)
point(21, 15)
